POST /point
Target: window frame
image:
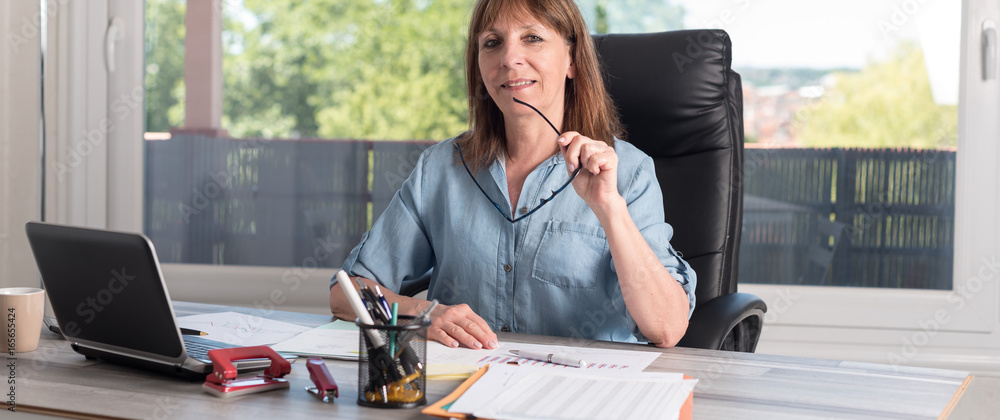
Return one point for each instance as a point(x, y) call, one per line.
point(838, 322)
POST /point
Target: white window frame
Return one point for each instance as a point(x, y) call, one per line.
point(837, 322)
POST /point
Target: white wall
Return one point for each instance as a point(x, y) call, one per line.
point(19, 154)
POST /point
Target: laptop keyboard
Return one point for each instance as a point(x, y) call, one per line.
point(198, 349)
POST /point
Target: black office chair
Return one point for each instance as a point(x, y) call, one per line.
point(682, 104)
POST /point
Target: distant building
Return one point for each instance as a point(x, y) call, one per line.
point(769, 112)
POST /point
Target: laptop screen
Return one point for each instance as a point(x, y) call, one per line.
point(105, 287)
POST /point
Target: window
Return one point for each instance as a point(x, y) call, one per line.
point(897, 304)
point(850, 154)
point(325, 110)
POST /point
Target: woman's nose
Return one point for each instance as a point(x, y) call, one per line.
point(513, 55)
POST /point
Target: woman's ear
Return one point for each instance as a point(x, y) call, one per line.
point(571, 72)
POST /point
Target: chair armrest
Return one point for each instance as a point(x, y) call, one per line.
point(412, 287)
point(728, 322)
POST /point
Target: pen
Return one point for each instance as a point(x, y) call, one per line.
point(567, 359)
point(407, 336)
point(375, 309)
point(392, 334)
point(359, 308)
point(381, 299)
point(426, 313)
point(188, 331)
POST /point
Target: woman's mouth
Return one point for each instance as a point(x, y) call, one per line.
point(517, 84)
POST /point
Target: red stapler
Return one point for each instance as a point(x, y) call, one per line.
point(325, 387)
point(222, 382)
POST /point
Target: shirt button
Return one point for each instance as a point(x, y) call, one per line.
point(524, 210)
point(504, 329)
point(506, 267)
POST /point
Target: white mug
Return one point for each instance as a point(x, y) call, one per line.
point(22, 308)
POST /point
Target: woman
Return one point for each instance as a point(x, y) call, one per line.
point(480, 213)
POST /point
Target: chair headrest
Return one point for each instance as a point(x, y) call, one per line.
point(671, 85)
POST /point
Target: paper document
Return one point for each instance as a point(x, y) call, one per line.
point(562, 394)
point(597, 359)
point(336, 340)
point(241, 329)
point(438, 353)
point(503, 376)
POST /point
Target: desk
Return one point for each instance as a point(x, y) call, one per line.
point(55, 380)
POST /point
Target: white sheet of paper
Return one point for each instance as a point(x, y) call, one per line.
point(567, 395)
point(336, 340)
point(597, 359)
point(241, 329)
point(438, 353)
point(503, 376)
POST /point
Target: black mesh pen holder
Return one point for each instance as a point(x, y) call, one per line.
point(392, 364)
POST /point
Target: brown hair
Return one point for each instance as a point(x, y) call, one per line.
point(588, 107)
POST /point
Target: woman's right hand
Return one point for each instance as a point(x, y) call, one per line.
point(459, 325)
point(451, 325)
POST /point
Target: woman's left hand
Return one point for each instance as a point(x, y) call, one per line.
point(597, 182)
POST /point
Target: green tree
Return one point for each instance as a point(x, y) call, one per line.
point(383, 69)
point(887, 104)
point(164, 49)
point(371, 69)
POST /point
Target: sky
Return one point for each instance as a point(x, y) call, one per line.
point(823, 34)
point(837, 33)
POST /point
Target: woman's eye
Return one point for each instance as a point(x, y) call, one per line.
point(533, 38)
point(490, 43)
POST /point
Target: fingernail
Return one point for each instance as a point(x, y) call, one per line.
point(562, 139)
point(478, 345)
point(571, 166)
point(492, 344)
point(454, 344)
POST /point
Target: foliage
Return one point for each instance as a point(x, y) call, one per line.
point(337, 69)
point(887, 104)
point(164, 49)
point(371, 69)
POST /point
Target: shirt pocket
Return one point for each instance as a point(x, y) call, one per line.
point(571, 255)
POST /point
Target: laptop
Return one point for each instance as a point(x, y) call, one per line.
point(109, 298)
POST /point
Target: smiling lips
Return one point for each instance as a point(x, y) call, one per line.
point(517, 84)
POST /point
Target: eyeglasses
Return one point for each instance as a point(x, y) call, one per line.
point(544, 200)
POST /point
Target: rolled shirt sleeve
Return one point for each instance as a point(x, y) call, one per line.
point(397, 247)
point(550, 273)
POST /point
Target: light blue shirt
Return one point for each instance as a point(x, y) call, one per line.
point(550, 273)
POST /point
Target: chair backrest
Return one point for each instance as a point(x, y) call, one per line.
point(682, 104)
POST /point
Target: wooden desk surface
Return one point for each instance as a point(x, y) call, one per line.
point(55, 380)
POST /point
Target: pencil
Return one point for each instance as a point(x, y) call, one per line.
point(188, 331)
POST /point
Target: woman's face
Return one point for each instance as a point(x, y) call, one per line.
point(525, 59)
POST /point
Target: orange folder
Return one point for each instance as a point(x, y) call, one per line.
point(440, 408)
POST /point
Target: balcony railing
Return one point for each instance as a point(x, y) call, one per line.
point(845, 217)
